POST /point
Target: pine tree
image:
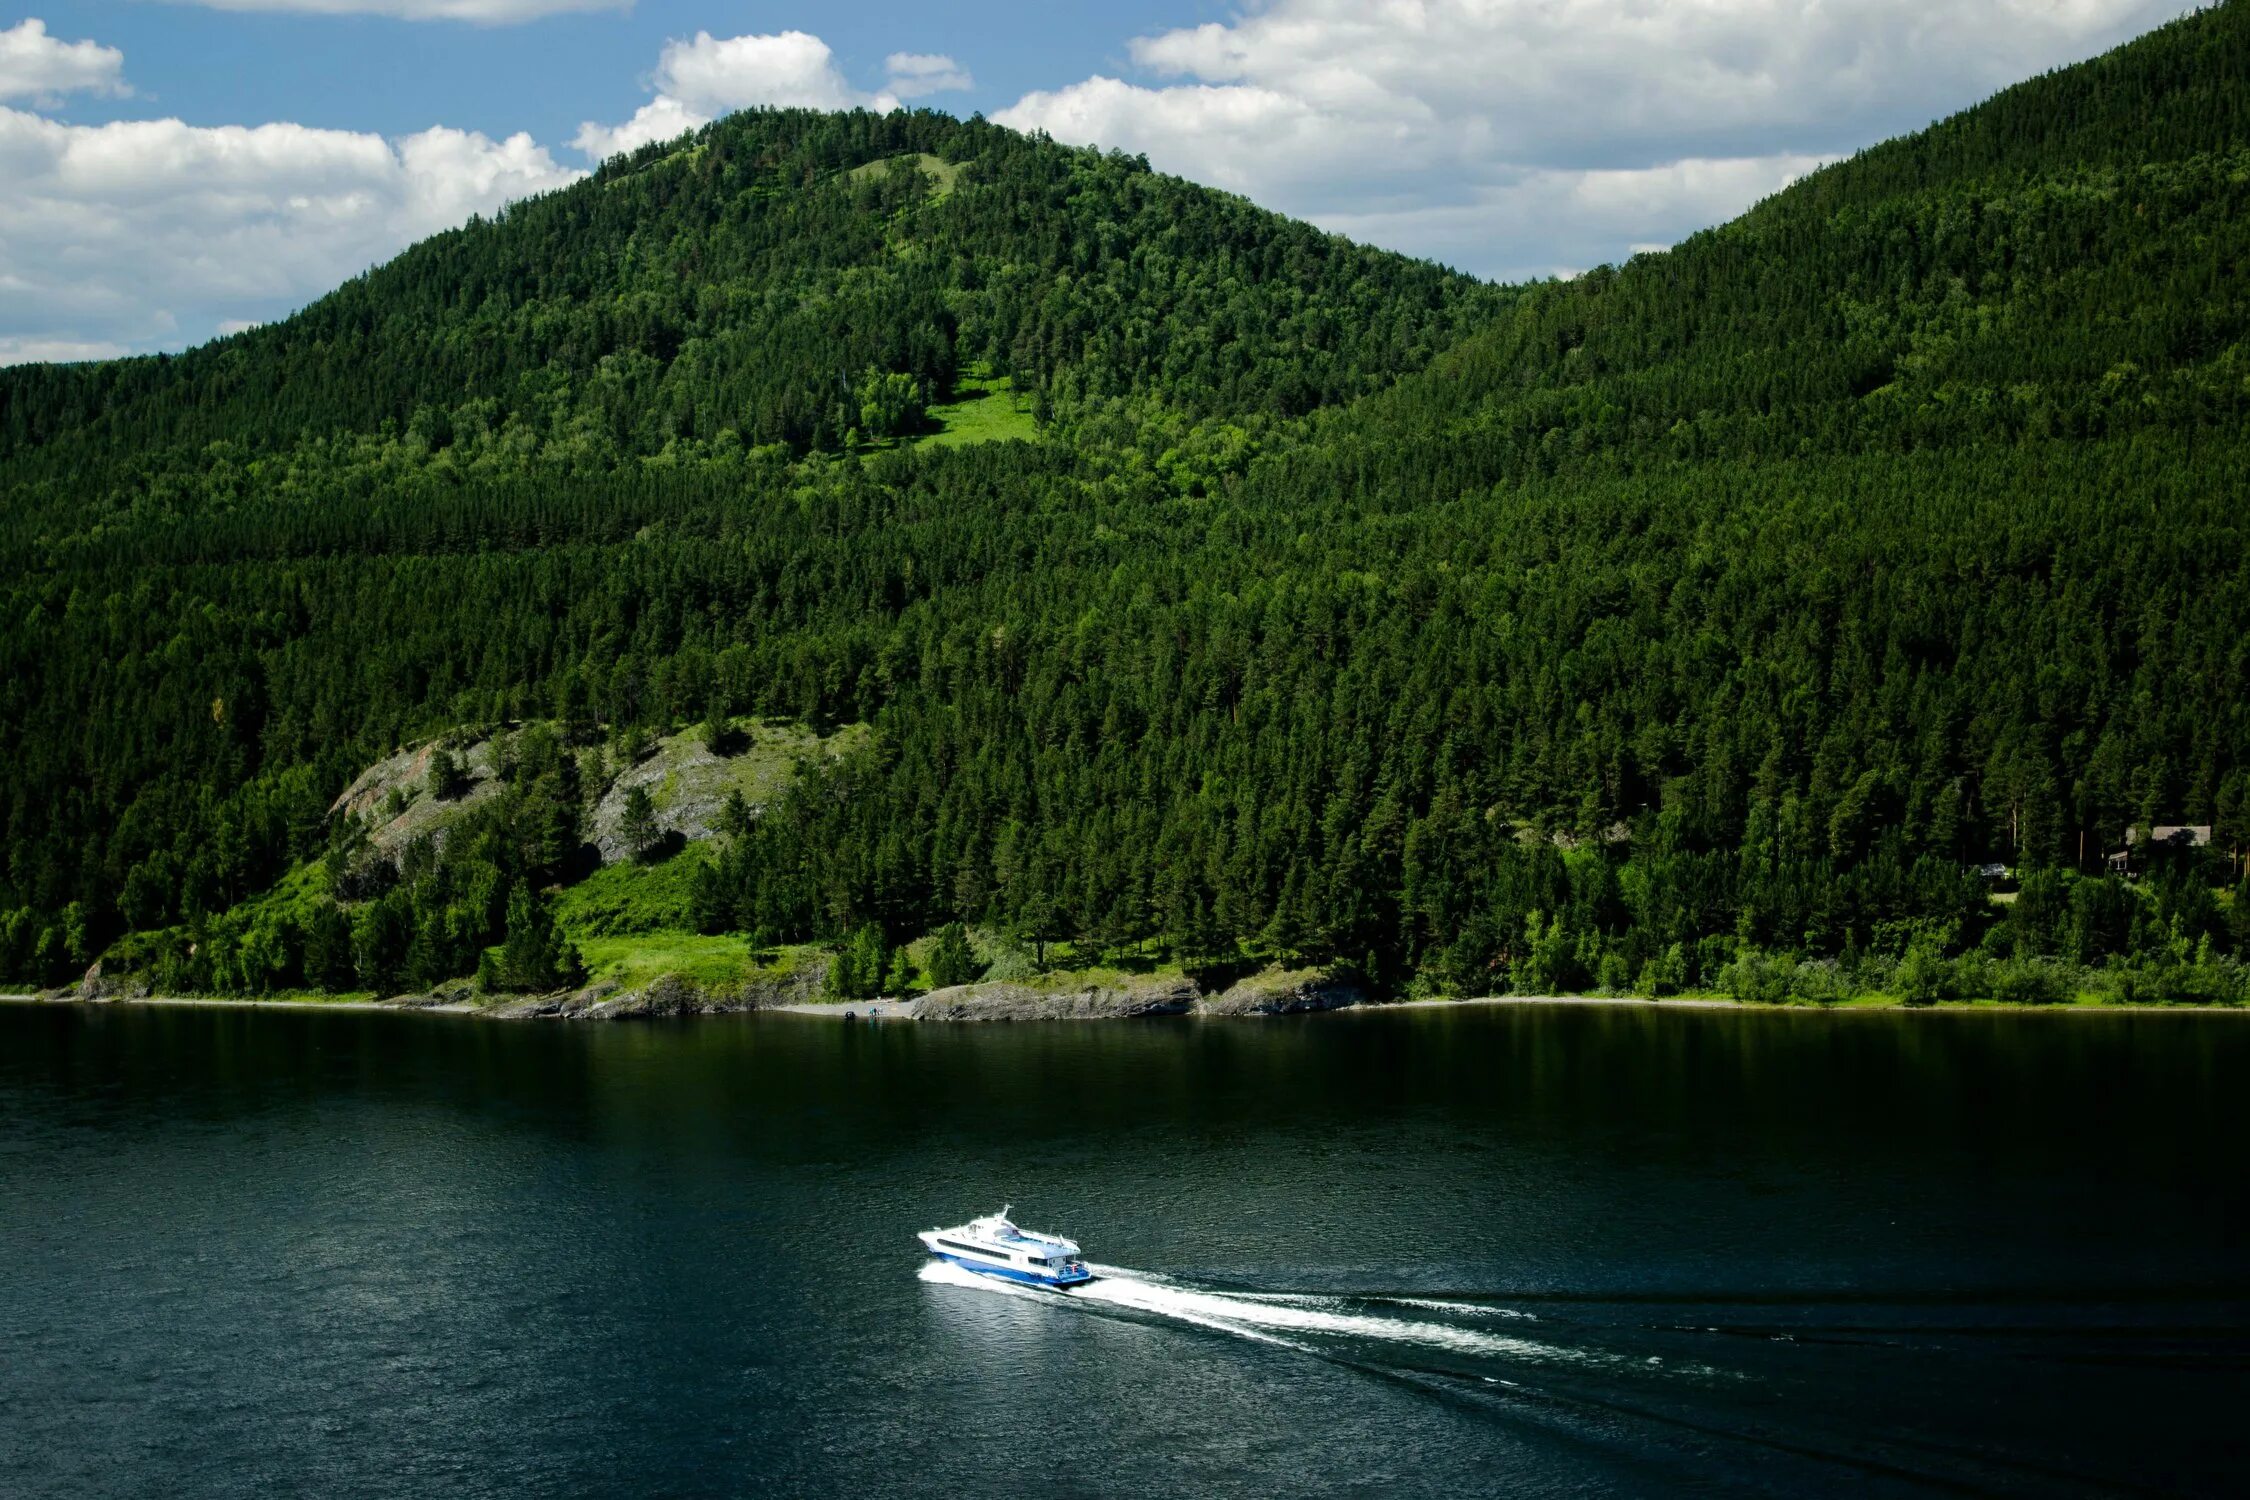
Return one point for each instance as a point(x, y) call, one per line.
point(534, 956)
point(735, 816)
point(448, 778)
point(525, 962)
point(718, 730)
point(328, 948)
point(952, 961)
point(860, 966)
point(639, 825)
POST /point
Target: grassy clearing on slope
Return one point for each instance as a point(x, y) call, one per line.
point(708, 961)
point(644, 957)
point(986, 409)
point(944, 173)
point(624, 899)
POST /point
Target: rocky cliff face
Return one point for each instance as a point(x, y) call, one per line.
point(689, 783)
point(393, 822)
point(686, 780)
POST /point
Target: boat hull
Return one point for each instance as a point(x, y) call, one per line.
point(1015, 1274)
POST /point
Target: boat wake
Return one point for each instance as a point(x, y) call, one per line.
point(1679, 1384)
point(1316, 1323)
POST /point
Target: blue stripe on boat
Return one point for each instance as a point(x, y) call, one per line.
point(1012, 1273)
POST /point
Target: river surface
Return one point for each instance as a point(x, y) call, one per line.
point(1484, 1250)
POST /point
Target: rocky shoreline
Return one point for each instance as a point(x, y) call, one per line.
point(1120, 997)
point(1273, 993)
point(1056, 998)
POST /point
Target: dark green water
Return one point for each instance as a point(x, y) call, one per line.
point(1486, 1251)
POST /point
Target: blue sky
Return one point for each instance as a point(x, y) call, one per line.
point(173, 169)
point(378, 73)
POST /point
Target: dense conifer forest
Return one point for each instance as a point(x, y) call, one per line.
point(1712, 621)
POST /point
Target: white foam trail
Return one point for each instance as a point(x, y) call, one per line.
point(1269, 1317)
point(1272, 1316)
point(1125, 1289)
point(1450, 1306)
point(1120, 1286)
point(1462, 1309)
point(946, 1273)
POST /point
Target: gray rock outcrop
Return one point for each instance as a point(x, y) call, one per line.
point(98, 986)
point(408, 774)
point(667, 995)
point(1157, 995)
point(1281, 992)
point(687, 784)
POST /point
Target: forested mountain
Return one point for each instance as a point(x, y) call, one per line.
point(1721, 612)
point(770, 280)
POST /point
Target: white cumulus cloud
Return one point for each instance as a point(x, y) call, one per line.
point(715, 74)
point(1558, 222)
point(142, 232)
point(658, 120)
point(15, 350)
point(704, 77)
point(37, 67)
point(1518, 136)
point(914, 74)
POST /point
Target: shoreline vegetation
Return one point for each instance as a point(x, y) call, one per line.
point(409, 908)
point(858, 1010)
point(631, 936)
point(671, 997)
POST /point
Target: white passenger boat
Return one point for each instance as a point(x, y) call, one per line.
point(993, 1246)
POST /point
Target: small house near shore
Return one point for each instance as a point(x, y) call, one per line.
point(2164, 838)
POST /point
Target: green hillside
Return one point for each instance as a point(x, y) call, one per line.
point(782, 277)
point(1701, 622)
